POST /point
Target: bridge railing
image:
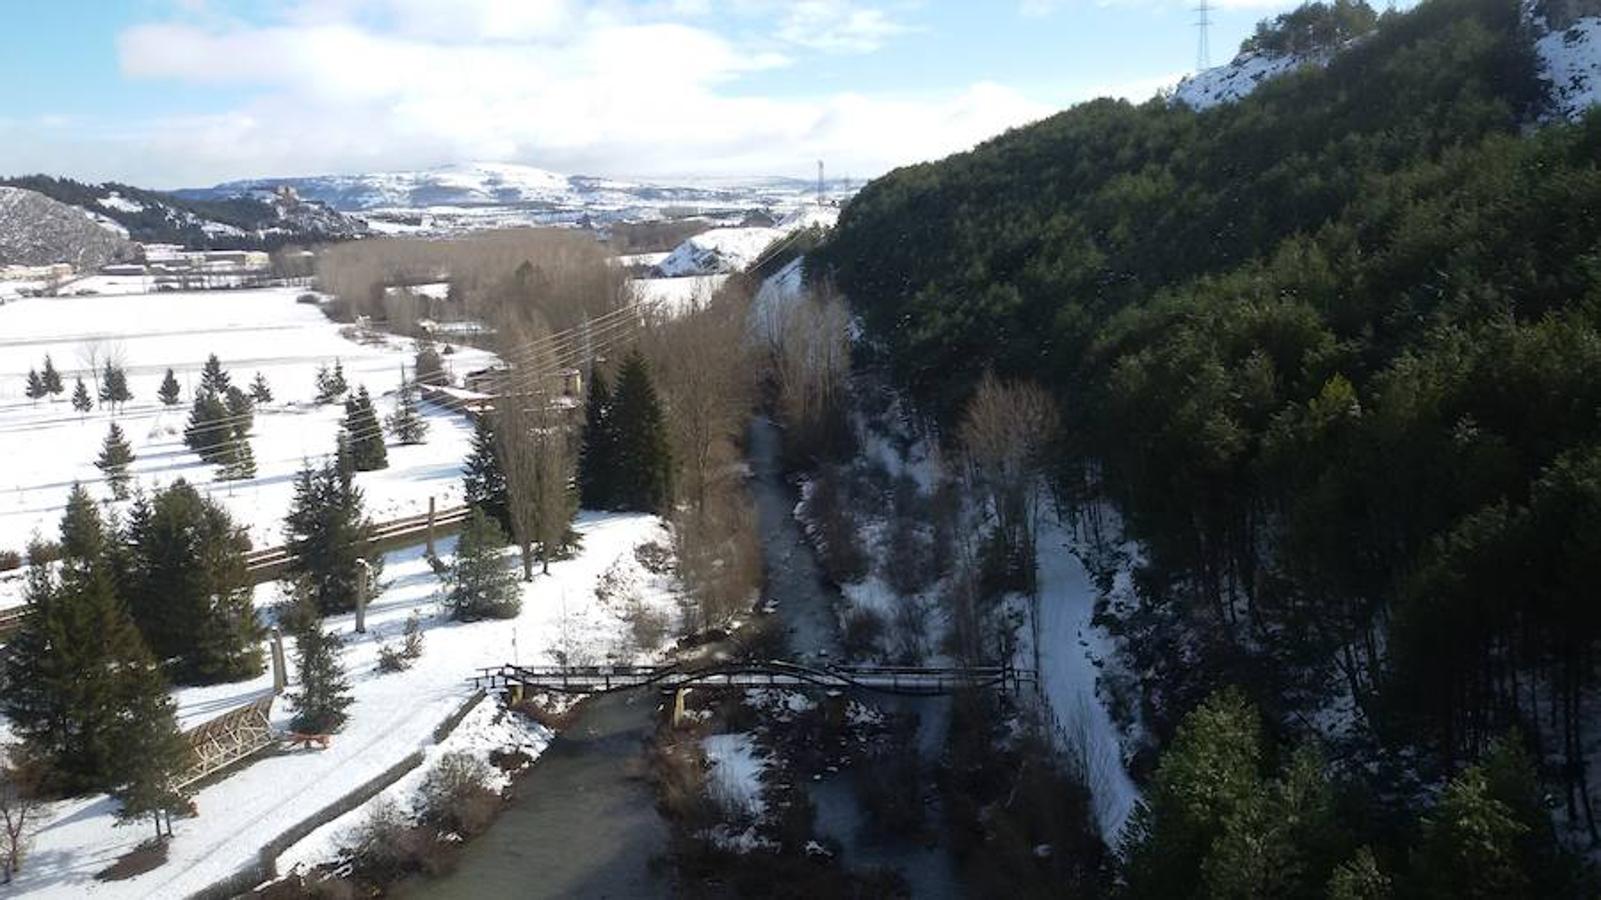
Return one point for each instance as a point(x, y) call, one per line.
point(746, 675)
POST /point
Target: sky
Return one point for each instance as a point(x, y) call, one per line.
point(183, 93)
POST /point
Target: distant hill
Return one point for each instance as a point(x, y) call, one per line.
point(476, 185)
point(36, 231)
point(244, 222)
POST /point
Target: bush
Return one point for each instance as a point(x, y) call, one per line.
point(10, 560)
point(833, 528)
point(385, 843)
point(455, 796)
point(864, 633)
point(648, 627)
point(392, 660)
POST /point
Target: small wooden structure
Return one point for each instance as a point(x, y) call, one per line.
point(235, 735)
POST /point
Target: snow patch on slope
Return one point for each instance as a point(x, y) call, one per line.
point(1238, 79)
point(1571, 60)
point(719, 251)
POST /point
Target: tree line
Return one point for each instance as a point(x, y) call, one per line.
point(1330, 352)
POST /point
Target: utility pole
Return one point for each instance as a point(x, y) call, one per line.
point(1203, 25)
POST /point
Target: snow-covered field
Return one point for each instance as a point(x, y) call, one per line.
point(1231, 82)
point(47, 446)
point(394, 715)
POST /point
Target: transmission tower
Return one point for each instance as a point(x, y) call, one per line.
point(1203, 25)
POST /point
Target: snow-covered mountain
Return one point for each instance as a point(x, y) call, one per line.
point(248, 221)
point(36, 231)
point(722, 251)
point(503, 184)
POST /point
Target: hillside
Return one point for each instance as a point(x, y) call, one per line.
point(36, 231)
point(1331, 353)
point(246, 222)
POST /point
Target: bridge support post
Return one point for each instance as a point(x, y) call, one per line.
point(678, 706)
point(515, 689)
point(280, 671)
point(430, 532)
point(363, 576)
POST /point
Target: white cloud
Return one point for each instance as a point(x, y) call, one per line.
point(837, 26)
point(621, 87)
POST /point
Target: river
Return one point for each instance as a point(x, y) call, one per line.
point(583, 822)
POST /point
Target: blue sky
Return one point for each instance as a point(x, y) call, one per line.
point(179, 92)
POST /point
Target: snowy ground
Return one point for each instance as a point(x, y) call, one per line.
point(1072, 650)
point(1571, 59)
point(1236, 80)
point(675, 296)
point(47, 446)
point(394, 714)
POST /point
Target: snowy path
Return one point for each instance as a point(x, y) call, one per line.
point(1069, 645)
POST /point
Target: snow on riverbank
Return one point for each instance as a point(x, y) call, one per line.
point(1072, 649)
point(47, 446)
point(393, 714)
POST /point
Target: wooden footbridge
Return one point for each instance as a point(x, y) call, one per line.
point(905, 680)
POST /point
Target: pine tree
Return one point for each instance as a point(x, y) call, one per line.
point(324, 691)
point(51, 378)
point(81, 401)
point(483, 479)
point(190, 590)
point(169, 391)
point(331, 383)
point(208, 430)
point(114, 386)
point(480, 584)
point(367, 451)
point(83, 532)
point(642, 458)
point(91, 691)
point(328, 535)
point(238, 461)
point(35, 388)
point(406, 424)
point(597, 452)
point(213, 379)
point(115, 457)
point(430, 369)
point(241, 409)
point(260, 391)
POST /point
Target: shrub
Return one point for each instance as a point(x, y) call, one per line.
point(647, 626)
point(392, 660)
point(411, 639)
point(385, 843)
point(455, 795)
point(10, 560)
point(863, 634)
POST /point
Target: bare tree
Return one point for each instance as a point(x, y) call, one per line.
point(1006, 431)
point(536, 450)
point(20, 810)
point(811, 366)
point(703, 369)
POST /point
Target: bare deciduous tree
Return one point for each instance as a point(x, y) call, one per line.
point(21, 809)
point(1006, 431)
point(535, 442)
point(811, 366)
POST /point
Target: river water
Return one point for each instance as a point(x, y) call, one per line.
point(583, 822)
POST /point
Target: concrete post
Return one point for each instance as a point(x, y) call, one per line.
point(280, 671)
point(678, 706)
point(363, 576)
point(431, 553)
